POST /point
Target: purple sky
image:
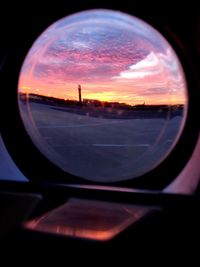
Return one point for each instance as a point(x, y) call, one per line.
point(114, 56)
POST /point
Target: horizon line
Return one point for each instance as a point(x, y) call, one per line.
point(101, 101)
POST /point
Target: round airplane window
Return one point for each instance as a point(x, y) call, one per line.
point(103, 95)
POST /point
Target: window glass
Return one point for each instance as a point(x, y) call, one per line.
point(103, 96)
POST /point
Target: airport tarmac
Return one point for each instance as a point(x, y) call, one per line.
point(100, 149)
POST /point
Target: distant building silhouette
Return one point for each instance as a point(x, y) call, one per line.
point(79, 94)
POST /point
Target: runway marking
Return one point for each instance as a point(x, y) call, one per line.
point(81, 125)
point(169, 141)
point(121, 145)
point(104, 145)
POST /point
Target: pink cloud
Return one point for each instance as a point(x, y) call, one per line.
point(127, 62)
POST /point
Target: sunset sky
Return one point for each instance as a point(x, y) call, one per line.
point(114, 56)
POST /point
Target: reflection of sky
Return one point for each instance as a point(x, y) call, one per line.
point(114, 57)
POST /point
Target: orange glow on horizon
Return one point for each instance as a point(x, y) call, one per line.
point(111, 61)
point(104, 96)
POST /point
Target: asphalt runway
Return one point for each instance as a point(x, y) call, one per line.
point(99, 149)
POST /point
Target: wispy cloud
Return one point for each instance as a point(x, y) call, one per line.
point(106, 51)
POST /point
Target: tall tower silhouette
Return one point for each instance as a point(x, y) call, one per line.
point(79, 94)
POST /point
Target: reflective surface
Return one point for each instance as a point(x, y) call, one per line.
point(102, 95)
point(96, 220)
